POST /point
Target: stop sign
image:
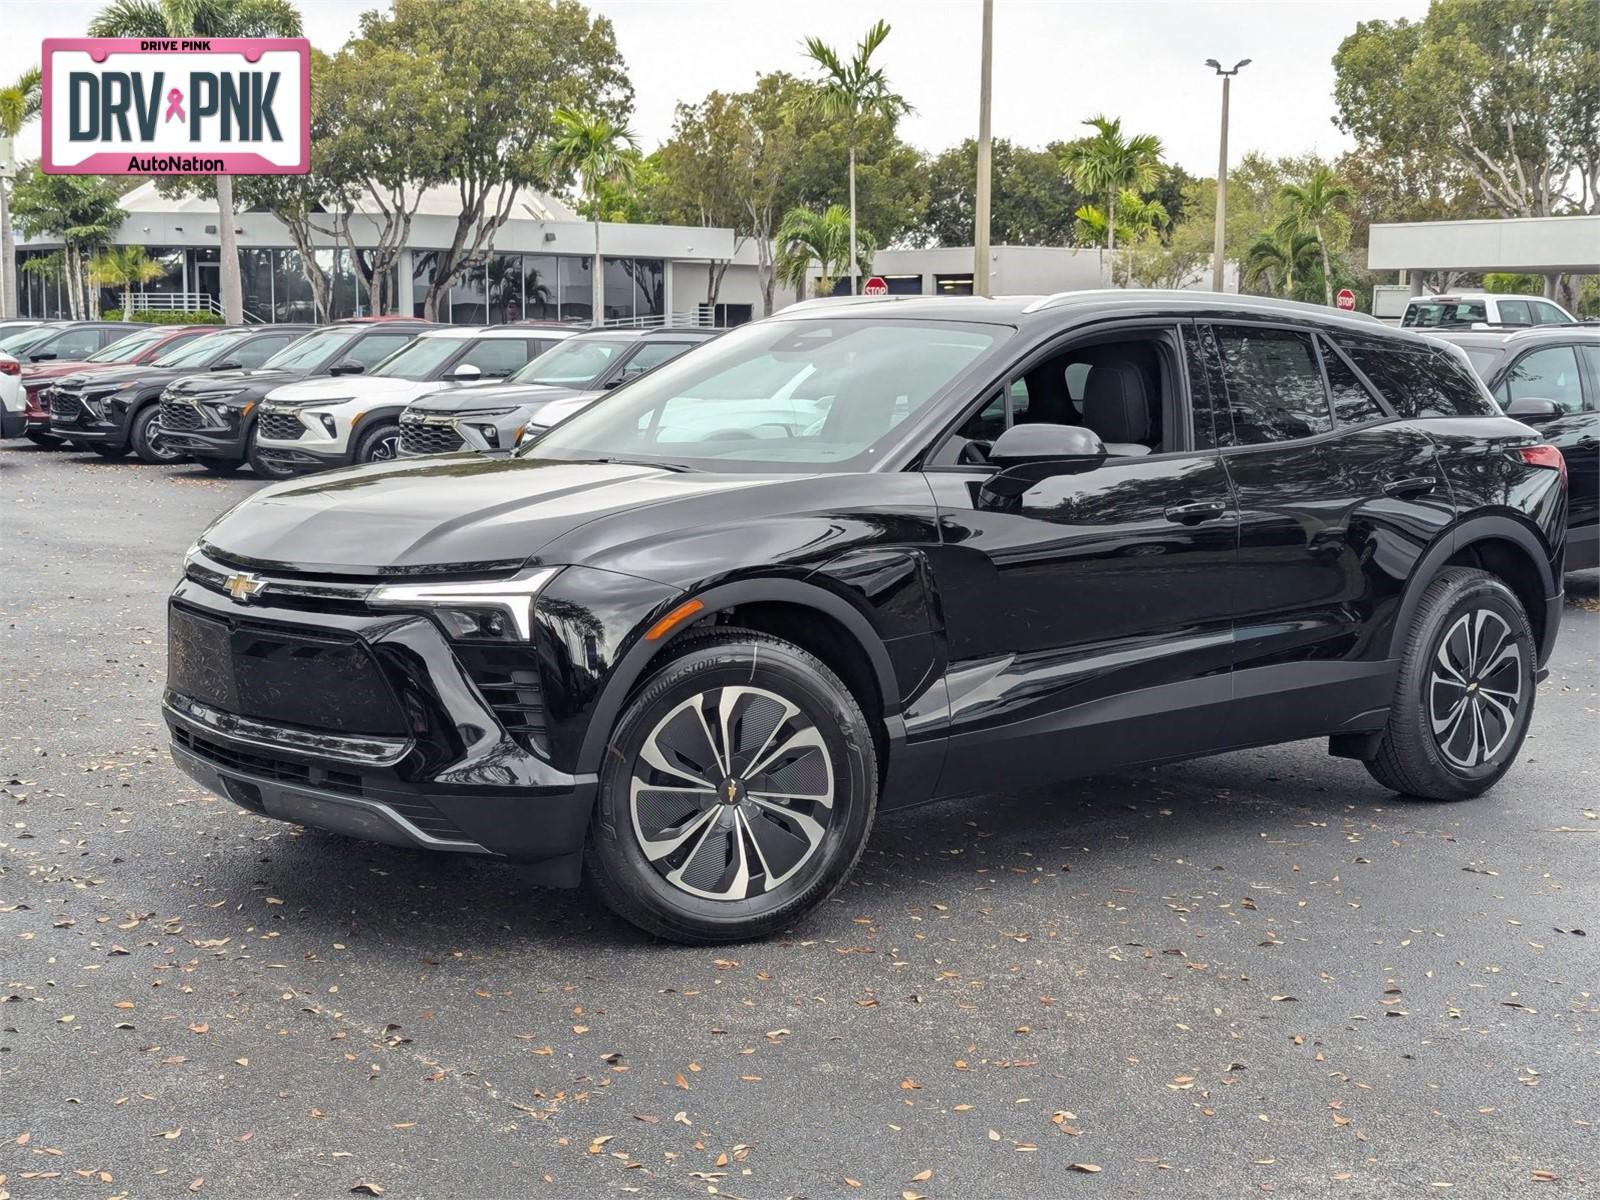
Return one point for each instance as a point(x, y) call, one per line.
point(876, 286)
point(1346, 299)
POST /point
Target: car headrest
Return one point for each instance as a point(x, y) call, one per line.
point(1116, 402)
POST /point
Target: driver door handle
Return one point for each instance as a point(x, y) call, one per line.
point(1193, 514)
point(1419, 485)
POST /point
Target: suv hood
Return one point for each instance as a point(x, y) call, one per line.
point(375, 389)
point(454, 514)
point(226, 383)
point(476, 399)
point(122, 377)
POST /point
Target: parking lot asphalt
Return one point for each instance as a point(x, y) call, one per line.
point(1255, 972)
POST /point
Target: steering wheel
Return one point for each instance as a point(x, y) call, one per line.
point(973, 454)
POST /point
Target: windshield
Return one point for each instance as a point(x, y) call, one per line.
point(818, 393)
point(420, 359)
point(311, 349)
point(575, 362)
point(1441, 314)
point(197, 352)
point(28, 337)
point(125, 348)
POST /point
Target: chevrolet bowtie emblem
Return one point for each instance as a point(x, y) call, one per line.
point(733, 791)
point(244, 588)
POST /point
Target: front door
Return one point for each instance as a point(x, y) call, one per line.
point(1089, 627)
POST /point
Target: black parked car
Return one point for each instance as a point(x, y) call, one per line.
point(112, 412)
point(1549, 378)
point(62, 340)
point(210, 418)
point(687, 650)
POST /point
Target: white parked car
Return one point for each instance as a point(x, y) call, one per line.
point(12, 402)
point(351, 419)
point(1482, 310)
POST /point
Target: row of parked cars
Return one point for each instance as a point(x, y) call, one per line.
point(289, 399)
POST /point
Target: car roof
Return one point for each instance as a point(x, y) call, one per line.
point(686, 332)
point(1512, 338)
point(479, 331)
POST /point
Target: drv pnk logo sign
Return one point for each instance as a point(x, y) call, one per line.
point(177, 106)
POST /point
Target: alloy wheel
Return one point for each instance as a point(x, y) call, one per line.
point(1475, 689)
point(385, 448)
point(732, 793)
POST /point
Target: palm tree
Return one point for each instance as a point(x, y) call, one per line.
point(1108, 164)
point(19, 104)
point(205, 18)
point(1275, 259)
point(1314, 207)
point(805, 237)
point(854, 91)
point(125, 267)
point(597, 150)
point(1138, 220)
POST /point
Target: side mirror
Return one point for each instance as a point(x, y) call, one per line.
point(465, 372)
point(346, 368)
point(1026, 454)
point(1533, 409)
point(231, 364)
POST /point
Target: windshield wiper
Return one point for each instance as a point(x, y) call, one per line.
point(639, 462)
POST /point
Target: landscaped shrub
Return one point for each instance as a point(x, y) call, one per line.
point(152, 316)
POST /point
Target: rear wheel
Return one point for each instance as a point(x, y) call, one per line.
point(1465, 691)
point(103, 449)
point(738, 793)
point(381, 443)
point(146, 439)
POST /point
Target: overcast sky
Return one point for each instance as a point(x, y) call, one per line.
point(1056, 62)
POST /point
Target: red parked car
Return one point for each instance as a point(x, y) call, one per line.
point(141, 345)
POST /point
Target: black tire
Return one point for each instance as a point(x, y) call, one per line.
point(45, 440)
point(808, 843)
point(1447, 740)
point(218, 466)
point(144, 437)
point(103, 449)
point(263, 468)
point(381, 443)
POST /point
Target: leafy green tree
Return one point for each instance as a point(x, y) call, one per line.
point(710, 170)
point(1278, 259)
point(1032, 204)
point(1507, 94)
point(19, 104)
point(853, 90)
point(82, 211)
point(1109, 163)
point(125, 267)
point(1182, 254)
point(1315, 205)
point(806, 236)
point(596, 149)
point(205, 18)
point(497, 71)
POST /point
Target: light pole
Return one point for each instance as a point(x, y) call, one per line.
point(980, 240)
point(1220, 249)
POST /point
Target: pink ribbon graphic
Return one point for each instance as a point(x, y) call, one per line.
point(175, 105)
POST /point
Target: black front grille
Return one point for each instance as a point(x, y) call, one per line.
point(417, 437)
point(64, 405)
point(415, 809)
point(279, 675)
point(508, 677)
point(281, 427)
point(179, 416)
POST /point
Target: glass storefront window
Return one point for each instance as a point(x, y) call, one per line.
point(504, 287)
point(422, 264)
point(468, 304)
point(541, 287)
point(577, 301)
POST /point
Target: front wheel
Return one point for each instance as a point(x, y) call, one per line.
point(381, 443)
point(738, 791)
point(1465, 692)
point(264, 468)
point(146, 439)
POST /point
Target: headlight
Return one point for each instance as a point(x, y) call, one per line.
point(486, 608)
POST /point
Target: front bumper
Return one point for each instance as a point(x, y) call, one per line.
point(204, 430)
point(405, 749)
point(70, 416)
point(303, 461)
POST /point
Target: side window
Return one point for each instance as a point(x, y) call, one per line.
point(496, 357)
point(1548, 374)
point(257, 350)
point(1515, 312)
point(1353, 404)
point(1591, 356)
point(1274, 386)
point(75, 344)
point(375, 347)
point(1547, 314)
point(989, 422)
point(652, 354)
point(1418, 381)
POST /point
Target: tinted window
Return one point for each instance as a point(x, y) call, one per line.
point(496, 357)
point(1435, 314)
point(1515, 312)
point(310, 350)
point(1419, 381)
point(125, 348)
point(1548, 314)
point(1273, 385)
point(575, 362)
point(257, 350)
point(1352, 402)
point(421, 358)
point(199, 351)
point(73, 345)
point(373, 349)
point(652, 354)
point(1483, 359)
point(1549, 374)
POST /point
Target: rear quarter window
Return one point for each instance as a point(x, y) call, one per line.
point(1419, 381)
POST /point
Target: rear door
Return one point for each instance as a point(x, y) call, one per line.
point(1336, 500)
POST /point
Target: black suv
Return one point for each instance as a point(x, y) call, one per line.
point(210, 418)
point(112, 412)
point(1549, 378)
point(876, 552)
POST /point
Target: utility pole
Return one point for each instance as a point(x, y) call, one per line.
point(1219, 247)
point(980, 241)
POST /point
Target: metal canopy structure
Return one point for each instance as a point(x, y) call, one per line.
point(1535, 245)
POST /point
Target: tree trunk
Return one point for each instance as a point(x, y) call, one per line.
point(597, 273)
point(1327, 277)
point(127, 300)
point(855, 271)
point(228, 278)
point(9, 289)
